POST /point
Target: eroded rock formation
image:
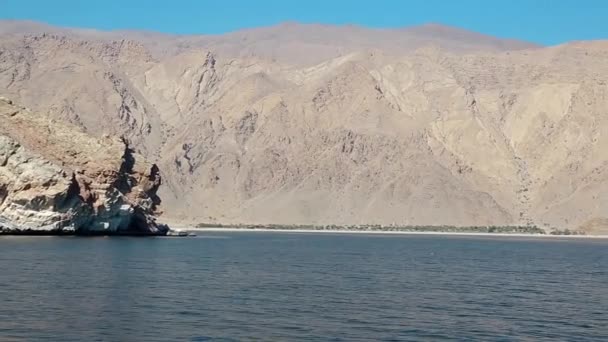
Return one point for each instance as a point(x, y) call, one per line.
point(56, 179)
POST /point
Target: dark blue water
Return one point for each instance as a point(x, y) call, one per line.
point(305, 287)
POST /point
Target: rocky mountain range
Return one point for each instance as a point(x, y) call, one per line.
point(336, 124)
point(56, 179)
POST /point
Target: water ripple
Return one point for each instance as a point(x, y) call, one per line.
point(311, 287)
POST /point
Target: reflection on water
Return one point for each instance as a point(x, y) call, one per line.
point(317, 287)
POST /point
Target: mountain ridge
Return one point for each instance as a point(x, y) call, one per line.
point(288, 41)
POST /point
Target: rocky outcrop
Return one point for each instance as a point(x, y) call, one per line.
point(55, 179)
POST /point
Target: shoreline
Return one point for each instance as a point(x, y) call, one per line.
point(383, 232)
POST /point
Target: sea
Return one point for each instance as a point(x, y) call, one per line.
point(270, 286)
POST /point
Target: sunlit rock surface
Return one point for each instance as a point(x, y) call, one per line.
point(56, 179)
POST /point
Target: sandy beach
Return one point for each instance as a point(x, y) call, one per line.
point(346, 231)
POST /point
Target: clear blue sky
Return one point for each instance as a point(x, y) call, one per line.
point(541, 21)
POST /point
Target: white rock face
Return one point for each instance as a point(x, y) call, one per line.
point(56, 179)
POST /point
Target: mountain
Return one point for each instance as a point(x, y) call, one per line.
point(322, 124)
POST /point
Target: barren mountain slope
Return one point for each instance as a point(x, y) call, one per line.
point(425, 136)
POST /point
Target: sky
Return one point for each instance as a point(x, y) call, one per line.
point(545, 22)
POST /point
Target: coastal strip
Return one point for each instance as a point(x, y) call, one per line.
point(385, 232)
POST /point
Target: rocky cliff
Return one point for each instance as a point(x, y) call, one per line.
point(56, 179)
